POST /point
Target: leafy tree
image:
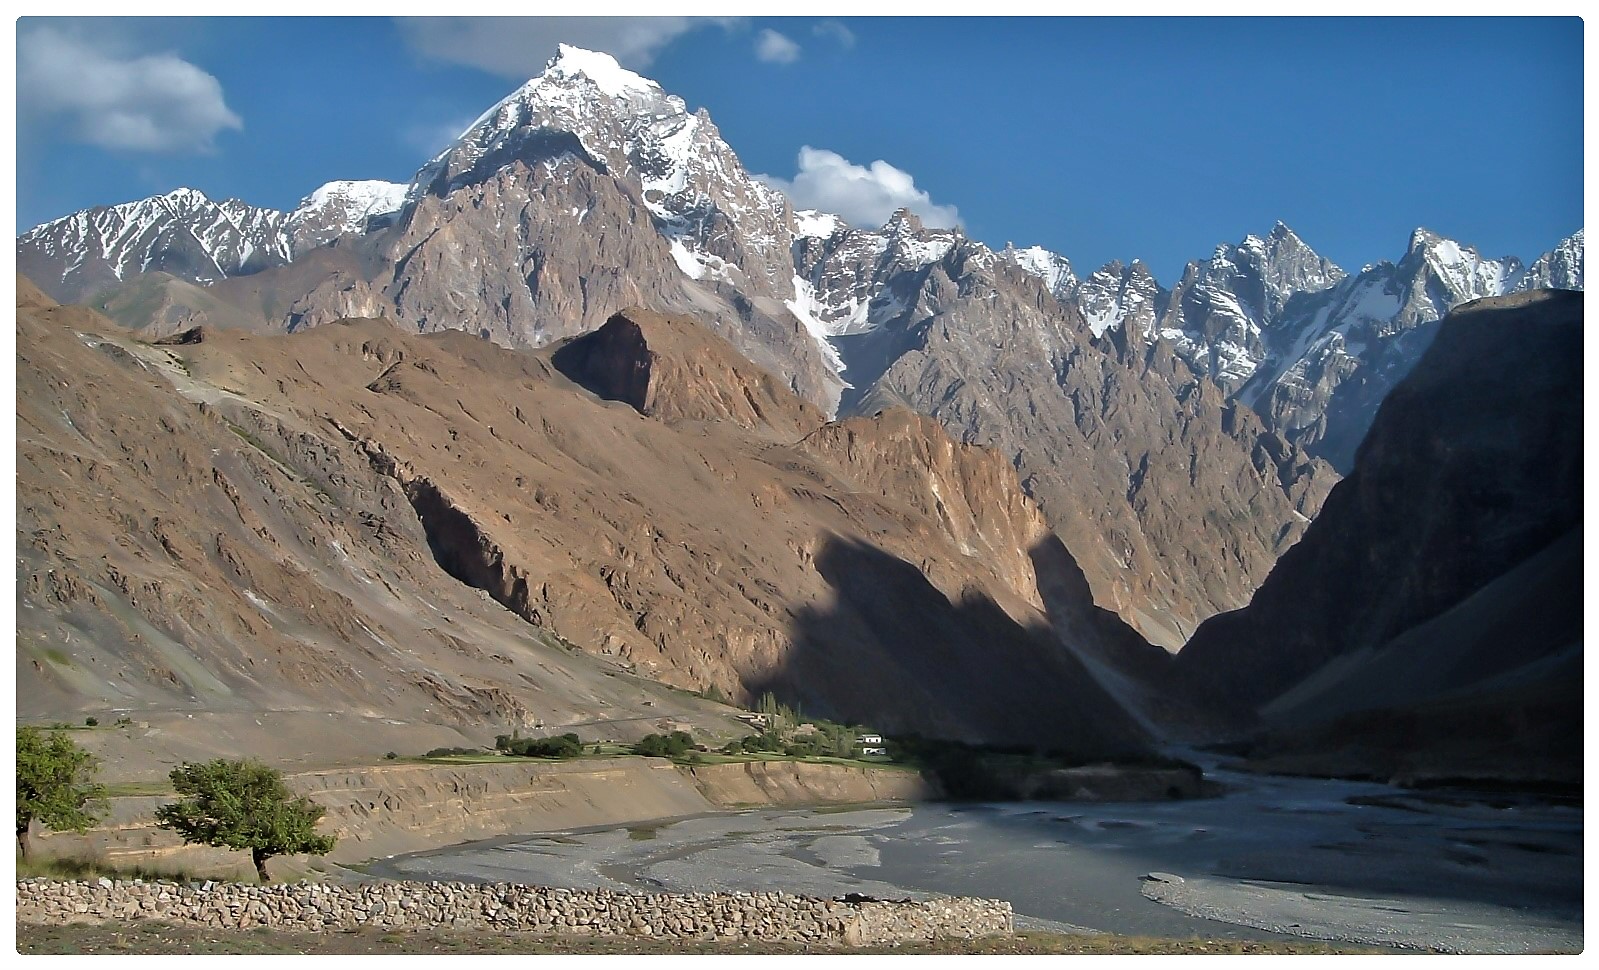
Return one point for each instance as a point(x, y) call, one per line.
point(242, 805)
point(54, 785)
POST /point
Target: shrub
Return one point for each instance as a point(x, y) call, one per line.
point(91, 722)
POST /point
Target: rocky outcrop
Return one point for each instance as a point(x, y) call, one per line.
point(673, 369)
point(502, 907)
point(1457, 519)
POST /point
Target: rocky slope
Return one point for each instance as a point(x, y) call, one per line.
point(354, 519)
point(1442, 572)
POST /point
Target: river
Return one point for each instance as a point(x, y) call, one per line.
point(1272, 857)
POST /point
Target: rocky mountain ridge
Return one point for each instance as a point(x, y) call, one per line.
point(188, 235)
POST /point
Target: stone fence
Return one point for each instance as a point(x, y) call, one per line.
point(503, 907)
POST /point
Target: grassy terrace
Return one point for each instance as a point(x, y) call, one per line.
point(159, 938)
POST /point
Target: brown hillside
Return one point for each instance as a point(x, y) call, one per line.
point(254, 523)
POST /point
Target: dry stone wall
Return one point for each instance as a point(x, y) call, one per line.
point(318, 907)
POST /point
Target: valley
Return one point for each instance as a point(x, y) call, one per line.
point(951, 561)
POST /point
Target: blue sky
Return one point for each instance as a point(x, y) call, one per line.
point(1099, 138)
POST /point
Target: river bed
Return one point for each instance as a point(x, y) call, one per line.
point(1272, 857)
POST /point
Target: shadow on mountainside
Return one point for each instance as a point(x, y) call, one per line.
point(894, 652)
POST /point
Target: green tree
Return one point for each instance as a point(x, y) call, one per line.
point(54, 785)
point(242, 805)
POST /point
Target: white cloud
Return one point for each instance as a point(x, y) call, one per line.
point(773, 48)
point(835, 30)
point(150, 103)
point(518, 47)
point(862, 195)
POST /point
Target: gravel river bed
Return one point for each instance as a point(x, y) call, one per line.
point(1272, 858)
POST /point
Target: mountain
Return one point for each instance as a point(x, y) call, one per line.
point(1222, 314)
point(339, 209)
point(182, 233)
point(188, 236)
point(1346, 348)
point(1130, 410)
point(355, 520)
point(1142, 469)
point(1558, 269)
point(1440, 589)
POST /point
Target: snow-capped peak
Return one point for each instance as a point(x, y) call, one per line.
point(562, 74)
point(185, 197)
point(814, 224)
point(1054, 269)
point(339, 208)
point(1559, 269)
point(1465, 274)
point(368, 197)
point(610, 77)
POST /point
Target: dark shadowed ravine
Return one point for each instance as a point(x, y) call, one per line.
point(1273, 857)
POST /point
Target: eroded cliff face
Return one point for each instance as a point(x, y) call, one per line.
point(329, 518)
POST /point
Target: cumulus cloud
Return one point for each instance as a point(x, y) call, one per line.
point(518, 47)
point(150, 103)
point(773, 48)
point(835, 30)
point(863, 195)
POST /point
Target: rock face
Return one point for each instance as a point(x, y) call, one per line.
point(1343, 350)
point(1443, 571)
point(295, 517)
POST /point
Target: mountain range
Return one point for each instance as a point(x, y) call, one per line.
point(1042, 473)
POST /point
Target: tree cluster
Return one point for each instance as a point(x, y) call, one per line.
point(674, 745)
point(561, 746)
